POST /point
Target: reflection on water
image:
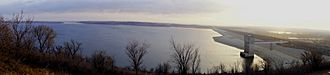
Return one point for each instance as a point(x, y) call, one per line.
point(281, 32)
point(113, 39)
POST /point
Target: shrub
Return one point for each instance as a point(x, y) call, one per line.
point(102, 63)
point(163, 69)
point(312, 58)
point(6, 37)
point(219, 69)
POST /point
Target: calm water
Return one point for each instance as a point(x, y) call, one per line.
point(113, 40)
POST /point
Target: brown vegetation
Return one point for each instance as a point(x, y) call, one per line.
point(103, 64)
point(312, 58)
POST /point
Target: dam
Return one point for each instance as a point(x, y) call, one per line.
point(264, 49)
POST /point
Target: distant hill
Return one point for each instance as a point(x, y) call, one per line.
point(152, 24)
point(47, 22)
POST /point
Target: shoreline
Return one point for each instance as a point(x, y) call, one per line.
point(282, 56)
point(148, 24)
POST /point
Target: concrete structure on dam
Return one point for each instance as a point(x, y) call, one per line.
point(250, 40)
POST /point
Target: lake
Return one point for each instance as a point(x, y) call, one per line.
point(113, 40)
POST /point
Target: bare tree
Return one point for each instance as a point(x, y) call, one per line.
point(195, 67)
point(21, 29)
point(44, 37)
point(71, 48)
point(184, 57)
point(135, 51)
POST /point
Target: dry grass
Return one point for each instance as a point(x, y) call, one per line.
point(10, 66)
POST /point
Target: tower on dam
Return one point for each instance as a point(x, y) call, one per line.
point(248, 51)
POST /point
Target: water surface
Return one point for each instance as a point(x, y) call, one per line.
point(113, 40)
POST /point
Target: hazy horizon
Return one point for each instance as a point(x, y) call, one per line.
point(280, 13)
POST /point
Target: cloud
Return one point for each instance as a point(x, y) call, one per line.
point(147, 6)
point(215, 12)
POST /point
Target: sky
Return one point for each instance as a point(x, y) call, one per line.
point(293, 13)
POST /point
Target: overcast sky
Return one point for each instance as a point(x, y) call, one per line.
point(299, 13)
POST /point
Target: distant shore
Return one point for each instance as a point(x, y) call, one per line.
point(150, 24)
